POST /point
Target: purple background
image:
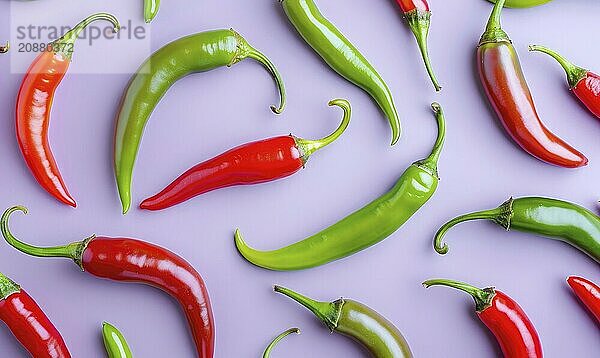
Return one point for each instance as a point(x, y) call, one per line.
point(206, 114)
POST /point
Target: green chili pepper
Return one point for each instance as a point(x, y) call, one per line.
point(115, 343)
point(272, 345)
point(341, 55)
point(195, 53)
point(151, 9)
point(355, 320)
point(554, 218)
point(363, 228)
point(523, 3)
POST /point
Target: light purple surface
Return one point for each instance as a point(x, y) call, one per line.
point(206, 114)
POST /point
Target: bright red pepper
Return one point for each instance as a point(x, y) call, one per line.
point(504, 317)
point(251, 163)
point(588, 292)
point(34, 105)
point(504, 83)
point(584, 84)
point(418, 17)
point(130, 260)
point(28, 323)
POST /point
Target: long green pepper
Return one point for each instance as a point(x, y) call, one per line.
point(114, 342)
point(363, 228)
point(341, 55)
point(200, 52)
point(548, 217)
point(523, 3)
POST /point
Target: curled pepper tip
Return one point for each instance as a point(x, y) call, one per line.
point(436, 107)
point(276, 110)
point(5, 48)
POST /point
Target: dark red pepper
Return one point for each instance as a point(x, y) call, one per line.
point(418, 17)
point(584, 84)
point(28, 323)
point(504, 83)
point(504, 317)
point(130, 260)
point(34, 106)
point(588, 292)
point(251, 163)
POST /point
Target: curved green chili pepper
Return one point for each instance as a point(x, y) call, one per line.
point(554, 218)
point(341, 55)
point(272, 345)
point(115, 343)
point(150, 9)
point(523, 3)
point(363, 228)
point(195, 53)
point(355, 320)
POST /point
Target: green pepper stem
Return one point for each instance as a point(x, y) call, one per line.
point(150, 10)
point(72, 251)
point(574, 73)
point(70, 37)
point(308, 147)
point(326, 312)
point(7, 287)
point(277, 339)
point(501, 215)
point(482, 297)
point(493, 30)
point(419, 22)
point(431, 162)
point(5, 48)
point(267, 64)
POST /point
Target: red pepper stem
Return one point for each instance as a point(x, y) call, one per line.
point(5, 48)
point(431, 162)
point(277, 339)
point(308, 147)
point(493, 31)
point(574, 73)
point(72, 251)
point(482, 297)
point(269, 66)
point(326, 312)
point(71, 36)
point(501, 215)
point(7, 287)
point(419, 22)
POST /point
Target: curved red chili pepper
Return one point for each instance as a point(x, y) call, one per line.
point(28, 323)
point(505, 86)
point(513, 330)
point(131, 260)
point(34, 104)
point(588, 292)
point(584, 83)
point(251, 163)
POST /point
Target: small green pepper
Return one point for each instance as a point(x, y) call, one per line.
point(115, 343)
point(357, 321)
point(553, 218)
point(363, 228)
point(273, 343)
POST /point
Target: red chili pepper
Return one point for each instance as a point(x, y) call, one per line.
point(418, 17)
point(504, 317)
point(504, 83)
point(34, 104)
point(588, 292)
point(251, 163)
point(584, 84)
point(130, 260)
point(28, 323)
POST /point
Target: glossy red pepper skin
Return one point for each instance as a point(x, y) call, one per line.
point(505, 86)
point(588, 292)
point(131, 260)
point(411, 5)
point(29, 324)
point(512, 328)
point(34, 105)
point(251, 163)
